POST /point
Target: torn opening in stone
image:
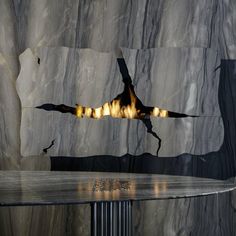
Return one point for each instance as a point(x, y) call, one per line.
point(125, 105)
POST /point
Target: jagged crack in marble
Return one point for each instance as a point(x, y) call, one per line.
point(9, 112)
point(183, 80)
point(105, 25)
point(108, 136)
point(68, 76)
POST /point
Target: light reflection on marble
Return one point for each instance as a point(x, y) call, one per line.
point(45, 187)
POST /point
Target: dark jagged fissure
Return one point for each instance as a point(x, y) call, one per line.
point(146, 110)
point(125, 100)
point(45, 150)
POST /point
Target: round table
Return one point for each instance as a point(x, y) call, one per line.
point(110, 194)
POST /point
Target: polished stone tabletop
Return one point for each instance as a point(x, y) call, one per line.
point(53, 187)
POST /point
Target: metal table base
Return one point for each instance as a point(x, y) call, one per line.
point(111, 218)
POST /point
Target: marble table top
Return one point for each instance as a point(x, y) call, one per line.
point(54, 187)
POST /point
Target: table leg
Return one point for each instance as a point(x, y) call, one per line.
point(111, 218)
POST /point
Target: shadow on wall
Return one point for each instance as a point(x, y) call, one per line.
point(218, 165)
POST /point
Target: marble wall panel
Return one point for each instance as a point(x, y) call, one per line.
point(105, 25)
point(210, 215)
point(35, 163)
point(68, 76)
point(183, 80)
point(178, 24)
point(10, 112)
point(188, 135)
point(9, 102)
point(226, 23)
point(9, 163)
point(8, 34)
point(69, 220)
point(109, 136)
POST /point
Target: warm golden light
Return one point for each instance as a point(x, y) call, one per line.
point(156, 111)
point(79, 111)
point(117, 110)
point(157, 189)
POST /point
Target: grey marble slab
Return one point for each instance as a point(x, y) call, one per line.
point(82, 137)
point(68, 76)
point(48, 220)
point(35, 163)
point(183, 80)
point(8, 29)
point(55, 23)
point(9, 163)
point(25, 163)
point(89, 78)
point(196, 136)
point(105, 25)
point(9, 111)
point(46, 187)
point(9, 101)
point(226, 23)
point(211, 215)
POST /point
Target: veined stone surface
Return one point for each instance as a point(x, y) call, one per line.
point(226, 24)
point(68, 76)
point(9, 112)
point(144, 24)
point(183, 80)
point(32, 188)
point(109, 136)
point(8, 32)
point(9, 102)
point(105, 25)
